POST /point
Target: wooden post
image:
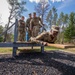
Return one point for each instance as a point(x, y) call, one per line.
point(15, 37)
point(16, 31)
point(42, 49)
point(32, 47)
point(14, 51)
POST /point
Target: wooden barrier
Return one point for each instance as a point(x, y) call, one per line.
point(16, 44)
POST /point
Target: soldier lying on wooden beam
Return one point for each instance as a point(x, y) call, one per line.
point(45, 37)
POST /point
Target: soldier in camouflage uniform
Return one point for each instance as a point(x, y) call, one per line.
point(49, 37)
point(28, 24)
point(35, 25)
point(21, 29)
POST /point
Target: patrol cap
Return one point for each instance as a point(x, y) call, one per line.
point(29, 13)
point(55, 28)
point(34, 12)
point(22, 16)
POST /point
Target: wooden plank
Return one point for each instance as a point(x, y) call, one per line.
point(6, 44)
point(42, 49)
point(14, 51)
point(14, 44)
point(60, 45)
point(53, 45)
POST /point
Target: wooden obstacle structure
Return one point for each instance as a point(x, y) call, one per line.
point(16, 44)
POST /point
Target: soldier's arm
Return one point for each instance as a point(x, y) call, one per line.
point(18, 23)
point(41, 36)
point(40, 20)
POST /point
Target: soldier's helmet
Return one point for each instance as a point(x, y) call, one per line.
point(55, 28)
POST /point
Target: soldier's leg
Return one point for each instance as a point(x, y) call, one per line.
point(19, 35)
point(33, 32)
point(29, 33)
point(23, 36)
point(36, 31)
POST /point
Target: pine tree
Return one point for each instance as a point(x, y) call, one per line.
point(70, 30)
point(52, 17)
point(16, 10)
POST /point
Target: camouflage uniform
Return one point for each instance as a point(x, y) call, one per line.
point(28, 25)
point(21, 29)
point(46, 36)
point(35, 26)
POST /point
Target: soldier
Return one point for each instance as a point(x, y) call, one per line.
point(21, 28)
point(49, 37)
point(28, 24)
point(35, 25)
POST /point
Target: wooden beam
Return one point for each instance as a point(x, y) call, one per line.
point(14, 44)
point(60, 45)
point(53, 45)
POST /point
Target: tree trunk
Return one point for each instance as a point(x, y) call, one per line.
point(62, 35)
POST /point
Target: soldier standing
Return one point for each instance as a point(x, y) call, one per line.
point(28, 24)
point(21, 29)
point(35, 25)
point(50, 37)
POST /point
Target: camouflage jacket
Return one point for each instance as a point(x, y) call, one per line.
point(21, 25)
point(35, 21)
point(28, 22)
point(47, 37)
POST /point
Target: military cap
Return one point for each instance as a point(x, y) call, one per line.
point(34, 12)
point(29, 13)
point(22, 16)
point(55, 28)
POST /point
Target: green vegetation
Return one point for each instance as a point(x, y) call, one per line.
point(1, 39)
point(37, 49)
point(9, 50)
point(6, 50)
point(1, 30)
point(70, 29)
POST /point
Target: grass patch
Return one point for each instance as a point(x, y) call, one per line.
point(36, 49)
point(48, 48)
point(5, 50)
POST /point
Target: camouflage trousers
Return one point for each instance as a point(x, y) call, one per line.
point(21, 36)
point(29, 33)
point(35, 31)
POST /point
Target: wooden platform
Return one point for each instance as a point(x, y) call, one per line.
point(15, 45)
